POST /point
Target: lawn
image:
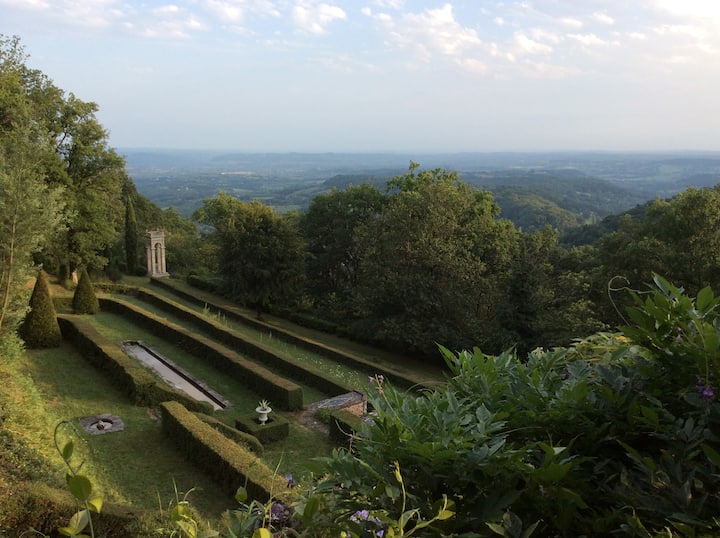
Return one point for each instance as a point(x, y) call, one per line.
point(135, 467)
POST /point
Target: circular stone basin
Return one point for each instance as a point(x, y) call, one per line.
point(99, 424)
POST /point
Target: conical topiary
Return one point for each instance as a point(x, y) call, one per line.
point(84, 299)
point(40, 328)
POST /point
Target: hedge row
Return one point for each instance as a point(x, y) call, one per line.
point(284, 393)
point(226, 462)
point(251, 442)
point(360, 363)
point(277, 360)
point(141, 385)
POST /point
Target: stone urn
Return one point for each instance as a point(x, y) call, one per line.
point(263, 409)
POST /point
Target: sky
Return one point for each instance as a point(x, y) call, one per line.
point(385, 75)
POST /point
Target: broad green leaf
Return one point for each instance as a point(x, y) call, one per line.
point(497, 529)
point(67, 451)
point(712, 454)
point(79, 520)
point(262, 533)
point(241, 494)
point(95, 504)
point(310, 509)
point(80, 486)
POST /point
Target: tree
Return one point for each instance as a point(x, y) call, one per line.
point(329, 227)
point(261, 256)
point(131, 236)
point(31, 212)
point(40, 328)
point(84, 299)
point(434, 266)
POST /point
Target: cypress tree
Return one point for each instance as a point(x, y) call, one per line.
point(131, 236)
point(40, 328)
point(84, 299)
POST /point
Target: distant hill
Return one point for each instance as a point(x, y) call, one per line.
point(562, 189)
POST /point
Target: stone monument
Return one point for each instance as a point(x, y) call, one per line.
point(155, 249)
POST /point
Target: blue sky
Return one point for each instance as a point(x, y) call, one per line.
point(385, 75)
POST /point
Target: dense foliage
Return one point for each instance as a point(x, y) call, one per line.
point(84, 300)
point(615, 435)
point(260, 253)
point(40, 327)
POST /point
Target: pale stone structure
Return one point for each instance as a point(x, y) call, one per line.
point(155, 249)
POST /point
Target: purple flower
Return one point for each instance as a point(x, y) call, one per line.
point(289, 480)
point(706, 390)
point(279, 512)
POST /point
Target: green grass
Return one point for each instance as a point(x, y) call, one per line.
point(341, 373)
point(302, 442)
point(135, 467)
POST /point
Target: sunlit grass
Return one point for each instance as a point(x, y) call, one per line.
point(302, 443)
point(135, 467)
point(340, 373)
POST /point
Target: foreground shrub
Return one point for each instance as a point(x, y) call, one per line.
point(40, 328)
point(615, 435)
point(84, 299)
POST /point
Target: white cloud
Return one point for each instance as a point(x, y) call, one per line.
point(431, 31)
point(587, 39)
point(226, 11)
point(529, 46)
point(472, 65)
point(499, 21)
point(392, 4)
point(603, 18)
point(571, 22)
point(313, 17)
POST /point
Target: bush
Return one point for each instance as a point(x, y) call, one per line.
point(230, 465)
point(616, 435)
point(84, 299)
point(40, 328)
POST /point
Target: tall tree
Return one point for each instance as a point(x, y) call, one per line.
point(434, 266)
point(329, 227)
point(131, 236)
point(261, 256)
point(30, 210)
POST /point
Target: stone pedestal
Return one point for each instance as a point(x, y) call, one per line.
point(155, 250)
point(275, 429)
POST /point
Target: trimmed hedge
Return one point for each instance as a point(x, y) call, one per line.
point(277, 360)
point(84, 300)
point(276, 428)
point(226, 462)
point(251, 442)
point(363, 364)
point(285, 393)
point(40, 327)
point(141, 385)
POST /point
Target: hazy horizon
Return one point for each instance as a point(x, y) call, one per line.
point(369, 76)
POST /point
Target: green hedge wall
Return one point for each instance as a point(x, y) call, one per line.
point(366, 366)
point(251, 442)
point(278, 361)
point(141, 385)
point(284, 393)
point(226, 462)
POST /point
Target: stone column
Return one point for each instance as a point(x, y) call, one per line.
point(155, 250)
